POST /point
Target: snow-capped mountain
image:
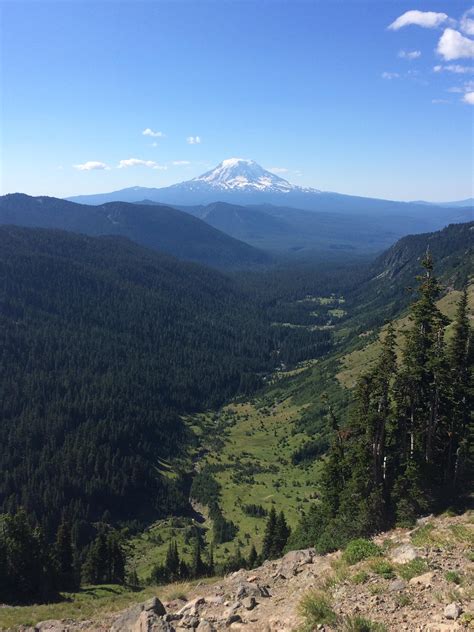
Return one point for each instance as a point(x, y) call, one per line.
point(239, 181)
point(239, 174)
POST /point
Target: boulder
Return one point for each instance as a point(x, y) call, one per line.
point(452, 611)
point(403, 554)
point(143, 617)
point(422, 580)
point(397, 585)
point(247, 589)
point(249, 603)
point(292, 562)
point(192, 607)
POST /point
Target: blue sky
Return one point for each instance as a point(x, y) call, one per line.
point(322, 91)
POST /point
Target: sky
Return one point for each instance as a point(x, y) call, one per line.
point(361, 97)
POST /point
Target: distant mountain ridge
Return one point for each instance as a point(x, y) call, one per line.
point(156, 226)
point(244, 182)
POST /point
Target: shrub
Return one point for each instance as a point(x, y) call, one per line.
point(413, 568)
point(360, 578)
point(316, 609)
point(360, 549)
point(359, 624)
point(452, 576)
point(383, 568)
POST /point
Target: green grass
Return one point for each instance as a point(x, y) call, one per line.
point(357, 362)
point(315, 608)
point(360, 624)
point(413, 568)
point(91, 602)
point(383, 568)
point(453, 577)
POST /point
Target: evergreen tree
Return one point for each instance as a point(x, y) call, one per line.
point(282, 533)
point(269, 535)
point(172, 562)
point(64, 557)
point(252, 561)
point(198, 567)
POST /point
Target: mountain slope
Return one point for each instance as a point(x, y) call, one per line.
point(155, 226)
point(103, 345)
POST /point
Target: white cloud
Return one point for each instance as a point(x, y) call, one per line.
point(453, 45)
point(138, 162)
point(469, 98)
point(91, 165)
point(390, 75)
point(150, 132)
point(456, 68)
point(278, 169)
point(467, 22)
point(409, 54)
point(193, 140)
point(180, 163)
point(425, 19)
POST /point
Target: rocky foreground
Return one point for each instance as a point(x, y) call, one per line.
point(423, 581)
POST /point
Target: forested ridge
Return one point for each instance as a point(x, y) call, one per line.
point(103, 345)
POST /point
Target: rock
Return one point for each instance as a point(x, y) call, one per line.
point(151, 623)
point(452, 611)
point(397, 585)
point(247, 589)
point(422, 580)
point(154, 605)
point(233, 618)
point(143, 617)
point(249, 603)
point(403, 554)
point(293, 561)
point(192, 607)
point(205, 626)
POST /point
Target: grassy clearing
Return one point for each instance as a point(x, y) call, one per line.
point(91, 602)
point(359, 361)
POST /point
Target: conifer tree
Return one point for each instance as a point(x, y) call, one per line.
point(64, 557)
point(269, 535)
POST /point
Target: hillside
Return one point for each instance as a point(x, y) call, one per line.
point(104, 345)
point(159, 227)
point(417, 579)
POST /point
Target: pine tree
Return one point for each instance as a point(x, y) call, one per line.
point(64, 557)
point(282, 533)
point(458, 461)
point(269, 535)
point(198, 567)
point(172, 562)
point(419, 393)
point(252, 561)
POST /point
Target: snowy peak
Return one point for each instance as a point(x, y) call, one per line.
point(239, 174)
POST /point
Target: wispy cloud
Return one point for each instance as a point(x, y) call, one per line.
point(425, 19)
point(91, 165)
point(150, 132)
point(138, 162)
point(409, 54)
point(467, 22)
point(453, 45)
point(278, 169)
point(456, 68)
point(193, 140)
point(440, 101)
point(180, 163)
point(469, 98)
point(390, 75)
